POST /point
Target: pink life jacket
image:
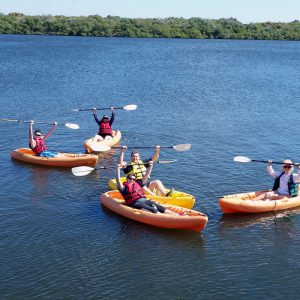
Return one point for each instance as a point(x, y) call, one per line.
point(105, 128)
point(132, 192)
point(40, 146)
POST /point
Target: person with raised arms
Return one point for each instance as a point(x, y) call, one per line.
point(37, 141)
point(137, 168)
point(134, 194)
point(105, 130)
point(286, 182)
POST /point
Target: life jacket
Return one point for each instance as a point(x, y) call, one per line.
point(132, 192)
point(40, 146)
point(105, 128)
point(138, 169)
point(293, 187)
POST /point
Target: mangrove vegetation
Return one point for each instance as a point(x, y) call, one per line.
point(112, 26)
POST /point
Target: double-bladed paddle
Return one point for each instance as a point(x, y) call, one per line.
point(103, 147)
point(244, 159)
point(84, 170)
point(126, 107)
point(69, 125)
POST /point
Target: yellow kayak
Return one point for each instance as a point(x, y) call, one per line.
point(94, 144)
point(177, 198)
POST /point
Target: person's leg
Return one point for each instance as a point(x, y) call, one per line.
point(108, 137)
point(266, 196)
point(146, 204)
point(98, 138)
point(164, 210)
point(158, 186)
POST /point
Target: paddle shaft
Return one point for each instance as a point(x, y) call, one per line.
point(126, 107)
point(143, 147)
point(21, 121)
point(274, 162)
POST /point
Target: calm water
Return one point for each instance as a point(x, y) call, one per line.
point(227, 98)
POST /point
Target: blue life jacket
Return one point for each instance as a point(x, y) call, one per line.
point(293, 187)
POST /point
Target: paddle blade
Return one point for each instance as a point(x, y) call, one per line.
point(99, 147)
point(242, 159)
point(75, 109)
point(72, 125)
point(182, 147)
point(163, 162)
point(82, 171)
point(130, 107)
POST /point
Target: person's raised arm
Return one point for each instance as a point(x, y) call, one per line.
point(50, 131)
point(148, 172)
point(118, 178)
point(270, 169)
point(31, 140)
point(156, 153)
point(112, 118)
point(95, 116)
point(121, 156)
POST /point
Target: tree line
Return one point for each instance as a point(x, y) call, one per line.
point(112, 26)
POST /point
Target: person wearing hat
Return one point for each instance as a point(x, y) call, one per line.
point(105, 130)
point(286, 182)
point(37, 141)
point(134, 195)
point(139, 169)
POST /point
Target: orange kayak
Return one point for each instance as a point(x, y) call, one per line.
point(65, 160)
point(191, 220)
point(245, 203)
point(92, 144)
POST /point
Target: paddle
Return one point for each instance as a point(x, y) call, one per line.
point(179, 148)
point(244, 159)
point(69, 125)
point(126, 107)
point(84, 170)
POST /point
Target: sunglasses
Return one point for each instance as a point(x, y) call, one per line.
point(287, 167)
point(131, 178)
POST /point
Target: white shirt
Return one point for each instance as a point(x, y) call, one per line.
point(283, 185)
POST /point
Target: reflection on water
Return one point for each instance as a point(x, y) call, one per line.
point(245, 220)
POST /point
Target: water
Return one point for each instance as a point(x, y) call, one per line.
point(227, 98)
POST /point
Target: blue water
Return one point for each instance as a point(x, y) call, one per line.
point(226, 98)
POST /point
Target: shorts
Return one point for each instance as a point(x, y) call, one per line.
point(140, 183)
point(104, 135)
point(47, 153)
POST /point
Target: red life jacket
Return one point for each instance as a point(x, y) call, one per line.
point(40, 146)
point(132, 192)
point(105, 128)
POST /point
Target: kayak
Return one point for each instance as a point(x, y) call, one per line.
point(245, 203)
point(65, 160)
point(185, 218)
point(92, 144)
point(177, 198)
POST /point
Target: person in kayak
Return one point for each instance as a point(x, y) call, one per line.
point(286, 182)
point(134, 195)
point(137, 168)
point(37, 141)
point(105, 130)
